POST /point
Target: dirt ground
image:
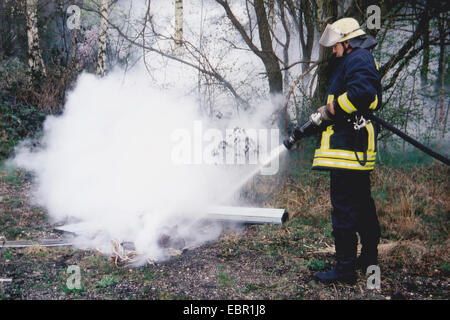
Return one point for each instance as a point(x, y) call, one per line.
point(262, 262)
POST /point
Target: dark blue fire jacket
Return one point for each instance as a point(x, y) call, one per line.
point(355, 89)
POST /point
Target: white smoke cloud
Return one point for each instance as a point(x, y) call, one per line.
point(106, 163)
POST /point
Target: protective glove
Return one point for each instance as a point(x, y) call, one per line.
point(327, 111)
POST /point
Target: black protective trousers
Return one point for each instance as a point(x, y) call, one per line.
point(353, 212)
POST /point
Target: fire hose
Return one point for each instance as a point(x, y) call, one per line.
point(309, 127)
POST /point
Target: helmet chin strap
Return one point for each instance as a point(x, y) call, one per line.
point(346, 50)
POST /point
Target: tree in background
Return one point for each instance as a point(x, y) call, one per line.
point(178, 24)
point(102, 38)
point(35, 61)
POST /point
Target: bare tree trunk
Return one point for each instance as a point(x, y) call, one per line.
point(426, 49)
point(441, 80)
point(102, 39)
point(7, 33)
point(178, 24)
point(268, 56)
point(285, 45)
point(329, 10)
point(301, 12)
point(271, 4)
point(74, 44)
point(308, 47)
point(442, 113)
point(266, 53)
point(35, 61)
point(270, 60)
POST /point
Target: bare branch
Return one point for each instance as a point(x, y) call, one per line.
point(404, 62)
point(239, 27)
point(212, 73)
point(292, 88)
point(405, 48)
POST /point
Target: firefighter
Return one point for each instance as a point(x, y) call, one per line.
point(348, 148)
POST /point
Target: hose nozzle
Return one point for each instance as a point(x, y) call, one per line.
point(289, 143)
point(305, 130)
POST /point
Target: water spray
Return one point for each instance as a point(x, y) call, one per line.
point(272, 156)
point(305, 130)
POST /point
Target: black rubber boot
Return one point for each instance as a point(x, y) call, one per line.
point(344, 271)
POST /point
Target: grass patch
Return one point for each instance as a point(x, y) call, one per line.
point(163, 295)
point(107, 281)
point(316, 265)
point(225, 279)
point(74, 291)
point(251, 287)
point(8, 254)
point(148, 275)
point(37, 251)
point(12, 177)
point(445, 267)
point(14, 232)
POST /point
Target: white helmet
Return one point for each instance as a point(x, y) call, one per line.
point(341, 30)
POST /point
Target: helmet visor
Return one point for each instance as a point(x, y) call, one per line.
point(330, 36)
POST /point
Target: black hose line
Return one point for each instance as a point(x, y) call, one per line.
point(404, 136)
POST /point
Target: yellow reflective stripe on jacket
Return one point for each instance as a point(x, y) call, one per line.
point(345, 104)
point(330, 98)
point(374, 104)
point(376, 64)
point(343, 154)
point(325, 142)
point(343, 164)
point(371, 138)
